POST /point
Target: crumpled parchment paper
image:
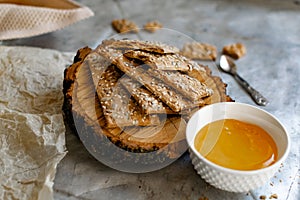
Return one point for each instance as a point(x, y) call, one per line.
point(32, 131)
point(26, 18)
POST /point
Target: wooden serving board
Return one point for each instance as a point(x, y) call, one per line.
point(84, 113)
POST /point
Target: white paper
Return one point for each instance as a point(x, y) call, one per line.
point(32, 132)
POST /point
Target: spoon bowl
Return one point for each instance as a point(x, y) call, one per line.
point(227, 64)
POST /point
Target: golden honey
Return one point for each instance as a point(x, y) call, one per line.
point(237, 145)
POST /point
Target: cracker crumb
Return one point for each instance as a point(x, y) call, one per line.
point(124, 26)
point(152, 26)
point(199, 51)
point(263, 197)
point(235, 51)
point(273, 196)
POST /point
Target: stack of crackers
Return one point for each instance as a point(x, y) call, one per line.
point(138, 93)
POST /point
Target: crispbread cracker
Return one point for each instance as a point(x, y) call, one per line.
point(124, 26)
point(152, 26)
point(118, 108)
point(235, 51)
point(148, 102)
point(161, 62)
point(199, 51)
point(187, 90)
point(186, 85)
point(97, 64)
point(161, 90)
point(124, 45)
point(95, 116)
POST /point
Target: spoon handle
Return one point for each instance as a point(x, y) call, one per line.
point(256, 96)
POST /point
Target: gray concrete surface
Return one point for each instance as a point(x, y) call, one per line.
point(270, 29)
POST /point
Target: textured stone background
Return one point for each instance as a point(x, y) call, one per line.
point(270, 29)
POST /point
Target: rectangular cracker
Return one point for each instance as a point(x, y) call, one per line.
point(97, 64)
point(186, 85)
point(118, 108)
point(161, 90)
point(148, 102)
point(125, 44)
point(161, 62)
point(183, 83)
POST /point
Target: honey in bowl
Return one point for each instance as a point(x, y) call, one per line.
point(236, 144)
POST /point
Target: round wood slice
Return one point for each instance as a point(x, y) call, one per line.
point(131, 149)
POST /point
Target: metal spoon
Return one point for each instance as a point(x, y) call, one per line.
point(227, 65)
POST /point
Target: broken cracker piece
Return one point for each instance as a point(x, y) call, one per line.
point(152, 26)
point(273, 196)
point(199, 51)
point(235, 51)
point(124, 26)
point(262, 197)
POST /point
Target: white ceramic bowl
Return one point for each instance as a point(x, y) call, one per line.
point(230, 179)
